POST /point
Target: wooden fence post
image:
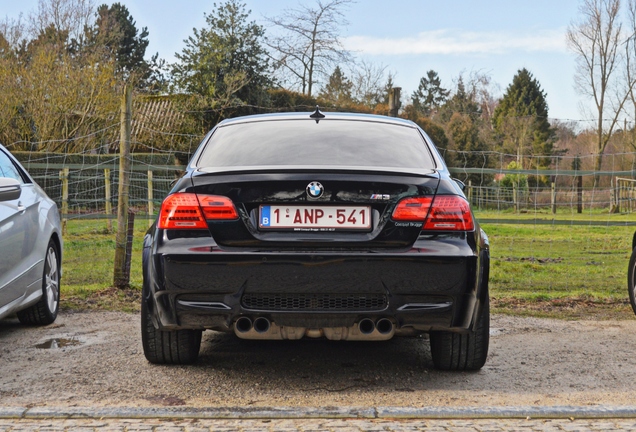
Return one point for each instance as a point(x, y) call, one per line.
point(107, 195)
point(64, 174)
point(121, 280)
point(130, 231)
point(617, 195)
point(579, 194)
point(514, 198)
point(151, 204)
point(480, 196)
point(553, 197)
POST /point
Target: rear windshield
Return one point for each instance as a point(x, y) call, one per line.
point(307, 143)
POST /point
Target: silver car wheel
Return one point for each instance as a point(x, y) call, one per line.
point(52, 280)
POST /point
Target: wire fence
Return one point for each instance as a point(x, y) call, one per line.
point(85, 184)
point(88, 189)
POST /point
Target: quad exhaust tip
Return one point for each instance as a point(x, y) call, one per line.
point(243, 325)
point(263, 328)
point(366, 326)
point(261, 325)
point(384, 326)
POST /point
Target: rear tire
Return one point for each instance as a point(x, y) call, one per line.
point(463, 351)
point(45, 310)
point(631, 280)
point(168, 347)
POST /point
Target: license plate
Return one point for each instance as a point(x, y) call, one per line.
point(318, 218)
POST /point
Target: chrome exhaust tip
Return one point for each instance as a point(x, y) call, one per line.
point(243, 325)
point(261, 325)
point(366, 326)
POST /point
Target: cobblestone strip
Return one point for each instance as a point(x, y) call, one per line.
point(243, 413)
point(313, 425)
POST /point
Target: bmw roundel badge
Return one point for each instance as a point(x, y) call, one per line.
point(315, 190)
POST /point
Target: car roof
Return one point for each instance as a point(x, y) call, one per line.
point(327, 116)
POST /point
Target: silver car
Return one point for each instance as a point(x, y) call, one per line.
point(30, 246)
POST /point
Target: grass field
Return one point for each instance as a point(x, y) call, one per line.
point(538, 267)
point(87, 266)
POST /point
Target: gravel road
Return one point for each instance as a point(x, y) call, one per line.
point(96, 359)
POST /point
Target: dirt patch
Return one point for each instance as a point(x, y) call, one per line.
point(533, 260)
point(568, 308)
point(111, 299)
point(532, 361)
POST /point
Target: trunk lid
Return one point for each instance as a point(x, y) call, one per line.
point(315, 209)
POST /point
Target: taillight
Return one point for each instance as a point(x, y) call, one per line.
point(217, 207)
point(412, 209)
point(189, 211)
point(444, 212)
point(450, 213)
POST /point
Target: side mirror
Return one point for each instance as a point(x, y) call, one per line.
point(10, 189)
point(461, 184)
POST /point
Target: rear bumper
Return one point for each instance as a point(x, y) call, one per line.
point(429, 288)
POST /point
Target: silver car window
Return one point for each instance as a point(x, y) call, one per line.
point(7, 169)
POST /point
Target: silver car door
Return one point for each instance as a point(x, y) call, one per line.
point(16, 237)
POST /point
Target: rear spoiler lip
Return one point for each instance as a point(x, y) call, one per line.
point(425, 172)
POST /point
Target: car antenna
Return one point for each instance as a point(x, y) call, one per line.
point(317, 115)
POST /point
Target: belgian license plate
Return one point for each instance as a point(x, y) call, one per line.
point(320, 218)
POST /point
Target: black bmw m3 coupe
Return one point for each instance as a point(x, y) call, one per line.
point(340, 226)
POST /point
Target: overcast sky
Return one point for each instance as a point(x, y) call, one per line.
point(410, 37)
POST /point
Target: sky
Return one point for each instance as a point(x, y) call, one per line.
point(409, 37)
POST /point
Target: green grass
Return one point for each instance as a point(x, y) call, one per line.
point(88, 268)
point(537, 269)
point(547, 262)
point(561, 269)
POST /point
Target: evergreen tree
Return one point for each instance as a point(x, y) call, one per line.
point(115, 36)
point(461, 102)
point(338, 90)
point(435, 133)
point(521, 120)
point(224, 63)
point(464, 133)
point(116, 33)
point(430, 94)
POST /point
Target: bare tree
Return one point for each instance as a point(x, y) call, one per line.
point(70, 16)
point(598, 41)
point(309, 45)
point(59, 112)
point(630, 69)
point(12, 31)
point(368, 83)
point(484, 91)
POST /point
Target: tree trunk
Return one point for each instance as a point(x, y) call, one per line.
point(598, 163)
